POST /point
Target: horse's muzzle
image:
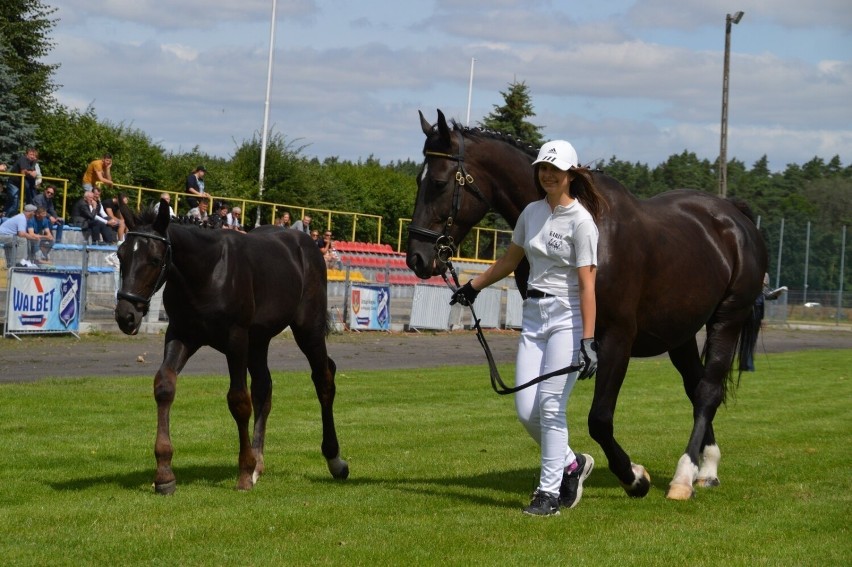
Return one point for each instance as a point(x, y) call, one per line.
point(128, 317)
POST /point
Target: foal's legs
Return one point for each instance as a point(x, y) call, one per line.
point(239, 402)
point(311, 342)
point(175, 355)
point(261, 398)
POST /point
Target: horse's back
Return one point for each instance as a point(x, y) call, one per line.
point(681, 256)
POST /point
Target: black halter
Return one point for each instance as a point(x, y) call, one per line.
point(161, 278)
point(445, 248)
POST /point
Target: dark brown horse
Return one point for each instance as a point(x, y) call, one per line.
point(233, 292)
point(668, 266)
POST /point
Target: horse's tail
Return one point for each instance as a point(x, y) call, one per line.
point(743, 208)
point(748, 339)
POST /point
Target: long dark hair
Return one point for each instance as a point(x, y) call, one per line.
point(584, 190)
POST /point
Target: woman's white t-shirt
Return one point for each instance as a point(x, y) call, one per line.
point(556, 244)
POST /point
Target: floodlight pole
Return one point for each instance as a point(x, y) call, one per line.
point(723, 144)
point(263, 136)
point(470, 91)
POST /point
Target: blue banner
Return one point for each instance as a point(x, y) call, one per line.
point(369, 307)
point(43, 301)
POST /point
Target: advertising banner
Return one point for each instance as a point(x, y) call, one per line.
point(43, 301)
point(369, 307)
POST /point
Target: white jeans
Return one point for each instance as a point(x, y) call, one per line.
point(550, 339)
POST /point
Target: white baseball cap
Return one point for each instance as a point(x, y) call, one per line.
point(559, 153)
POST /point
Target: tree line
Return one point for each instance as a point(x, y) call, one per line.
point(818, 192)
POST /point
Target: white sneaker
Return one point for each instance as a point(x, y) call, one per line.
point(26, 264)
point(112, 260)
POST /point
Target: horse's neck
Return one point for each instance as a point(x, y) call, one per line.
point(511, 185)
point(192, 249)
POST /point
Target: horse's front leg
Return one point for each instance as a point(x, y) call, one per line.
point(239, 402)
point(261, 399)
point(610, 376)
point(175, 355)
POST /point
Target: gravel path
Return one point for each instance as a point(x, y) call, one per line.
point(113, 354)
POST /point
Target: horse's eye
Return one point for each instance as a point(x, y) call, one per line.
point(155, 261)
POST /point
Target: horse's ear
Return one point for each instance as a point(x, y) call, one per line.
point(424, 124)
point(163, 217)
point(443, 128)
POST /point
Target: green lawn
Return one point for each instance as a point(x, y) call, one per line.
point(440, 469)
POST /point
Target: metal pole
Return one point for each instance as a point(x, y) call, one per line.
point(807, 255)
point(780, 246)
point(263, 136)
point(842, 268)
point(470, 91)
point(723, 135)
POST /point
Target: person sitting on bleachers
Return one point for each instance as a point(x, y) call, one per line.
point(39, 227)
point(85, 215)
point(16, 227)
point(45, 199)
point(199, 213)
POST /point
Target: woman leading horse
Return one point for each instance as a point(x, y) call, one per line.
point(667, 267)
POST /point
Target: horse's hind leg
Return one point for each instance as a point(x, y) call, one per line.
point(175, 355)
point(311, 341)
point(261, 399)
point(707, 395)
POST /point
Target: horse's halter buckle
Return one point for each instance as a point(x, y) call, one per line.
point(161, 278)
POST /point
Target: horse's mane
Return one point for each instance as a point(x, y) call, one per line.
point(478, 132)
point(148, 215)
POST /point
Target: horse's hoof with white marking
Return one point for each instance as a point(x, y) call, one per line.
point(707, 482)
point(680, 492)
point(338, 468)
point(641, 484)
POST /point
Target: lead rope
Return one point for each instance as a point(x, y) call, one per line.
point(497, 384)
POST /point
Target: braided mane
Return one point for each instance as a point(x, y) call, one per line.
point(477, 132)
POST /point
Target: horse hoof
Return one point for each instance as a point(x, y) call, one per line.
point(166, 488)
point(641, 484)
point(709, 482)
point(680, 492)
point(338, 468)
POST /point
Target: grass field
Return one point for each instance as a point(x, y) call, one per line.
point(439, 472)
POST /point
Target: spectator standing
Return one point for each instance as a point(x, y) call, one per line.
point(26, 165)
point(199, 213)
point(98, 171)
point(39, 226)
point(16, 227)
point(304, 225)
point(45, 199)
point(195, 186)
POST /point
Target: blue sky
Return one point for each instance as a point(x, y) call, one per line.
point(639, 80)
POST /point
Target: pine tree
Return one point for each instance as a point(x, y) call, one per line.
point(16, 129)
point(24, 29)
point(511, 117)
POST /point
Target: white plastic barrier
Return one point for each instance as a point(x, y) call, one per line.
point(430, 308)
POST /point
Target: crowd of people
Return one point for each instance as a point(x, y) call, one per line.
point(33, 216)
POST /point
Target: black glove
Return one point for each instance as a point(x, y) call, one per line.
point(465, 295)
point(588, 358)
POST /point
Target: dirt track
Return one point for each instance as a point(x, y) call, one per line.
point(38, 357)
